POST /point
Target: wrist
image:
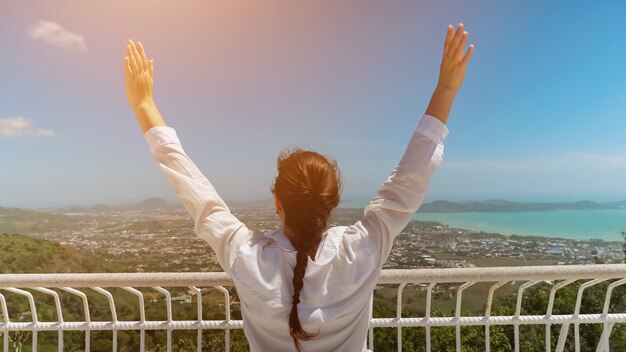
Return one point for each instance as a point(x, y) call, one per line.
point(445, 90)
point(144, 104)
point(441, 103)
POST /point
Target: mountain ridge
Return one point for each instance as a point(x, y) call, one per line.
point(437, 206)
point(501, 205)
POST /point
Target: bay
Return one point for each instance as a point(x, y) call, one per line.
point(605, 224)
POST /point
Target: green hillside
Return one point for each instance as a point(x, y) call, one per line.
point(14, 220)
point(23, 254)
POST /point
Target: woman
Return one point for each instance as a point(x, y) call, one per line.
point(306, 287)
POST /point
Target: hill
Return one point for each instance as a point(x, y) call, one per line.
point(23, 254)
point(499, 205)
point(14, 220)
point(149, 204)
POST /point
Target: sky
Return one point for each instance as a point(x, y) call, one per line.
point(541, 115)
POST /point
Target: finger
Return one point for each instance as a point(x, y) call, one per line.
point(137, 56)
point(127, 70)
point(131, 59)
point(142, 52)
point(448, 40)
point(461, 46)
point(468, 54)
point(457, 36)
point(152, 68)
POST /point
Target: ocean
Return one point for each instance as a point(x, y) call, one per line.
point(605, 224)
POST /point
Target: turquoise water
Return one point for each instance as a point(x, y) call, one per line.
point(602, 224)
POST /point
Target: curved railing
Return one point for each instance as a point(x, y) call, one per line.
point(138, 284)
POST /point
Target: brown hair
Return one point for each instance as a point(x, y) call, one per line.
point(308, 186)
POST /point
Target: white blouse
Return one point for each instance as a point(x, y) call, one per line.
point(338, 284)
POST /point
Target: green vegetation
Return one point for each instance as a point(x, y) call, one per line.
point(22, 254)
point(534, 302)
point(13, 220)
point(532, 337)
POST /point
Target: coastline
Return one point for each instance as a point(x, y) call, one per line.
point(583, 225)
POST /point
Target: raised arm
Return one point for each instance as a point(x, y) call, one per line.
point(212, 219)
point(403, 192)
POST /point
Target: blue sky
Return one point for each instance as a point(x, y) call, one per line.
point(541, 114)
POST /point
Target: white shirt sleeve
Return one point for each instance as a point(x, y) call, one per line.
point(212, 219)
point(402, 194)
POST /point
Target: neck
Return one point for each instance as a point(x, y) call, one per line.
point(292, 237)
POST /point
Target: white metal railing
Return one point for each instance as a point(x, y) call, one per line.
point(57, 285)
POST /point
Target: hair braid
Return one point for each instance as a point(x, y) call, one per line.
point(308, 186)
point(295, 328)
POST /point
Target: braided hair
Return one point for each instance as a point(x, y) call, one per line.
point(308, 186)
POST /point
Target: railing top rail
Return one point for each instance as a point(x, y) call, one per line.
point(510, 273)
point(555, 272)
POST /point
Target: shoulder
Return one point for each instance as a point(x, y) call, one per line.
point(268, 247)
point(352, 242)
point(274, 238)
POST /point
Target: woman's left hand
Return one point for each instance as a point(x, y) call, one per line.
point(139, 74)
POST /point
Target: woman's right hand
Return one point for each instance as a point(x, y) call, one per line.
point(454, 61)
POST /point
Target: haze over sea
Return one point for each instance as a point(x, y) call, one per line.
point(604, 224)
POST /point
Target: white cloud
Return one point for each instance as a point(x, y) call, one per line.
point(586, 160)
point(591, 174)
point(20, 126)
point(608, 160)
point(55, 35)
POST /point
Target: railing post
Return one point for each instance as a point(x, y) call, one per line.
point(198, 293)
point(227, 307)
point(459, 297)
point(492, 289)
point(57, 302)
point(109, 297)
point(83, 296)
point(168, 299)
point(33, 311)
point(556, 287)
point(603, 344)
point(518, 309)
point(5, 317)
point(565, 328)
point(399, 314)
point(429, 296)
point(371, 326)
point(142, 316)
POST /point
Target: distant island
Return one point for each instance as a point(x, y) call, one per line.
point(500, 205)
